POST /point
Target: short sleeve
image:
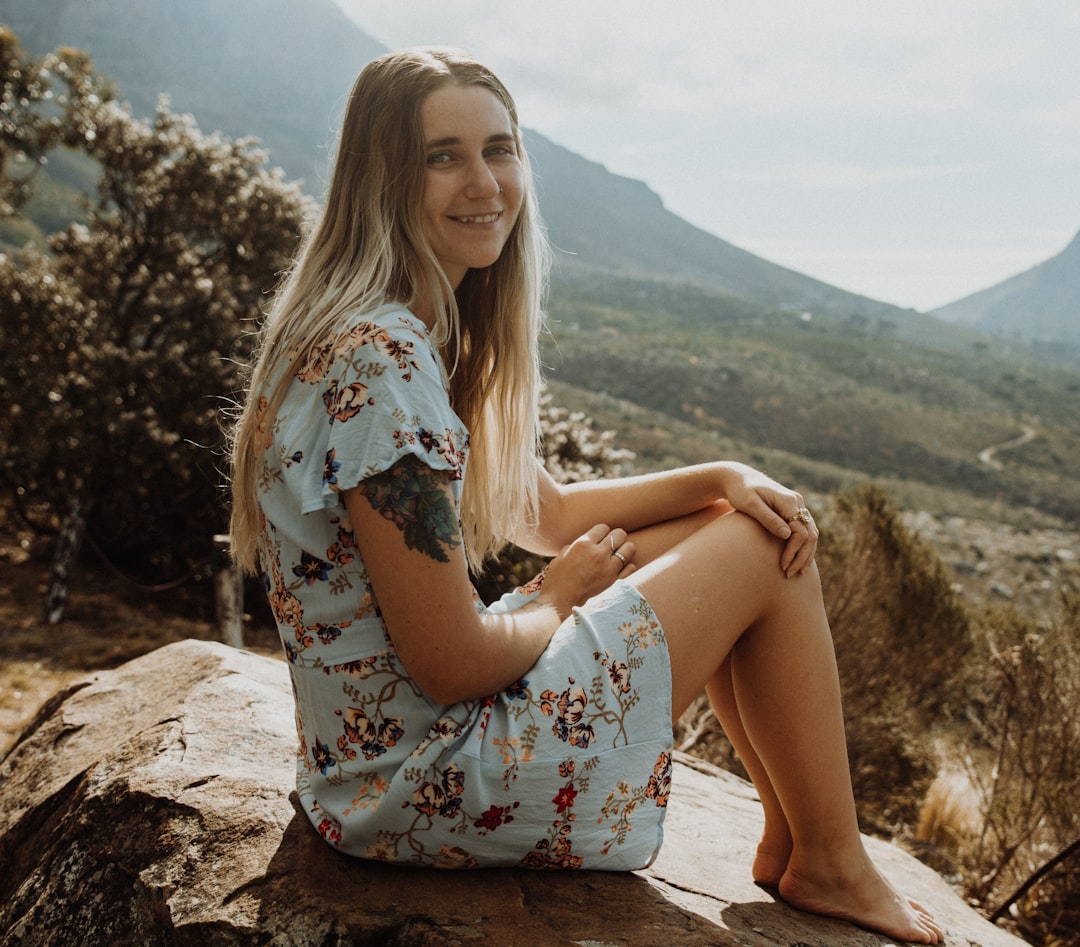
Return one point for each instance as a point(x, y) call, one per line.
point(382, 394)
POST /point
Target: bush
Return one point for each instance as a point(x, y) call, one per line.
point(573, 451)
point(1026, 776)
point(902, 637)
point(121, 337)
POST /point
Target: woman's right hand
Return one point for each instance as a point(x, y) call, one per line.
point(586, 567)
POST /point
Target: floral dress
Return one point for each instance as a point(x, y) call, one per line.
point(569, 767)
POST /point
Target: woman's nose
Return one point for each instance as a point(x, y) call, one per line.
point(481, 182)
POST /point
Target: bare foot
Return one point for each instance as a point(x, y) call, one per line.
point(770, 863)
point(865, 898)
point(773, 853)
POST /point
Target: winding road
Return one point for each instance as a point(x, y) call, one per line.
point(987, 455)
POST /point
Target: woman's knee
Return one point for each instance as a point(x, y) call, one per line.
point(720, 577)
point(739, 538)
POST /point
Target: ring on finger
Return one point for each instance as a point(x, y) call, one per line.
point(801, 516)
point(620, 557)
point(611, 539)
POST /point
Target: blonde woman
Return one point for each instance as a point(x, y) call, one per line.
point(389, 441)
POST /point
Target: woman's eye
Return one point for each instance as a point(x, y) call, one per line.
point(439, 157)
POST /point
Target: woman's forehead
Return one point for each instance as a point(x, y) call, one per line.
point(452, 110)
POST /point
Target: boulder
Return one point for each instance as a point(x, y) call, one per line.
point(154, 804)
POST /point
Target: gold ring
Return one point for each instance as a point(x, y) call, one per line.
point(802, 516)
point(620, 557)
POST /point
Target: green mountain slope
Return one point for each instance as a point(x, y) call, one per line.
point(685, 375)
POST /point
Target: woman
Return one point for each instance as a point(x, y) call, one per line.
point(536, 731)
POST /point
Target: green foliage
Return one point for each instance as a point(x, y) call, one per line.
point(119, 342)
point(840, 391)
point(36, 117)
point(901, 636)
point(894, 614)
point(572, 449)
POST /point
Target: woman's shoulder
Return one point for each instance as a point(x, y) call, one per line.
point(388, 335)
point(377, 327)
point(390, 317)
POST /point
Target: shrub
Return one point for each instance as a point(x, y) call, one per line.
point(1026, 776)
point(573, 451)
point(902, 637)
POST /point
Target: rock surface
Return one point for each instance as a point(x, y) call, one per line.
point(989, 561)
point(151, 805)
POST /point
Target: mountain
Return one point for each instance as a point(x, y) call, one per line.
point(274, 69)
point(1042, 303)
point(281, 71)
point(618, 223)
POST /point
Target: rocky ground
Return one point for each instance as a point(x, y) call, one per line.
point(989, 561)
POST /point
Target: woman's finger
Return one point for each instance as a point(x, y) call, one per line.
point(763, 511)
point(800, 549)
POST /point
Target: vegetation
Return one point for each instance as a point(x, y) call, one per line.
point(841, 392)
point(1024, 852)
point(120, 337)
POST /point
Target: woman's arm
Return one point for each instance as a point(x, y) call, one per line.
point(634, 503)
point(405, 523)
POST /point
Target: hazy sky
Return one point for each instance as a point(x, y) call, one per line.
point(915, 152)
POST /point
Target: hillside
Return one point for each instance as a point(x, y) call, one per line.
point(687, 374)
point(274, 69)
point(604, 220)
point(1042, 303)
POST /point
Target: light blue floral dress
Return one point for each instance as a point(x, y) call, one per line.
point(570, 767)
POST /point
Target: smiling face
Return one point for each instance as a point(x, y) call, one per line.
point(473, 177)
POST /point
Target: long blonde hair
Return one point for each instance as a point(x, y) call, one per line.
point(368, 247)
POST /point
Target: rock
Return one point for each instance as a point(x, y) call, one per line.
point(1001, 590)
point(153, 804)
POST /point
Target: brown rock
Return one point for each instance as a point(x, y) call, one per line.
point(151, 805)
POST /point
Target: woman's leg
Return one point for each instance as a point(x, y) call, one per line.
point(774, 849)
point(761, 643)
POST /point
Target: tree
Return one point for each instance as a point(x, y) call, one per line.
point(119, 342)
point(33, 120)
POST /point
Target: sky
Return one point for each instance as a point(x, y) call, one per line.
point(914, 151)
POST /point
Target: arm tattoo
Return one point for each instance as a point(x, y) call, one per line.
point(413, 497)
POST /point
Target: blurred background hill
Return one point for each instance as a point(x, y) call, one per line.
point(1040, 304)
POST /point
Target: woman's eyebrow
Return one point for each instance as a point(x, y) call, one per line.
point(454, 140)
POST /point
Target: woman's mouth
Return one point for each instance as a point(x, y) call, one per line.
point(479, 219)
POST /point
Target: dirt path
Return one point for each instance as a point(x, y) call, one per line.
point(988, 456)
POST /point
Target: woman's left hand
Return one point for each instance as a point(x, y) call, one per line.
point(779, 510)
